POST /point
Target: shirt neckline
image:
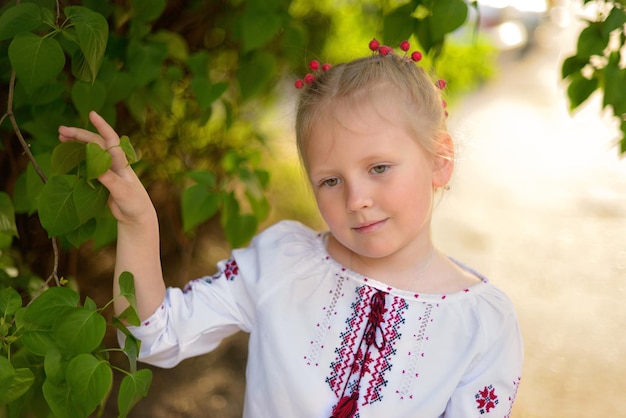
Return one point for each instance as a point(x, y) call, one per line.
point(346, 272)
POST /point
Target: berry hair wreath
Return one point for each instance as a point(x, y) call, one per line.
point(377, 48)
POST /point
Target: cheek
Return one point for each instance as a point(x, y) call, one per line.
point(326, 204)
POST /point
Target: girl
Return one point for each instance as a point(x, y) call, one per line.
point(367, 319)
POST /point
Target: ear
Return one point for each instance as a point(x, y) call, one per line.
point(443, 162)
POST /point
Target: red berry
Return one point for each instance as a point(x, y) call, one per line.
point(314, 65)
point(405, 45)
point(384, 50)
point(326, 67)
point(444, 104)
point(299, 84)
point(309, 78)
point(374, 45)
point(416, 56)
point(441, 84)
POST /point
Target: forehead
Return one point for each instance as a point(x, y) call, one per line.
point(356, 131)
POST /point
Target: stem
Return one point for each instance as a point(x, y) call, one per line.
point(18, 132)
point(120, 370)
point(9, 113)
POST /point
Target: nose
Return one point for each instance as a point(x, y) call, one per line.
point(358, 196)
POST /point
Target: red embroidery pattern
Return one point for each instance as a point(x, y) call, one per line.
point(382, 363)
point(231, 270)
point(486, 399)
point(354, 360)
point(346, 354)
point(516, 383)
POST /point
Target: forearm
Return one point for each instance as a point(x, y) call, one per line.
point(138, 253)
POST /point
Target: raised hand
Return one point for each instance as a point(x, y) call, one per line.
point(129, 201)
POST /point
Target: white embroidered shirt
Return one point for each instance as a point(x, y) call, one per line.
point(320, 333)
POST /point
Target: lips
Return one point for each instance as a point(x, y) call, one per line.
point(369, 227)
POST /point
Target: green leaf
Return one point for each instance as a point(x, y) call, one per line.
point(57, 211)
point(88, 96)
point(36, 60)
point(127, 289)
point(51, 304)
point(133, 387)
point(59, 400)
point(446, 17)
point(206, 93)
point(81, 234)
point(128, 149)
point(7, 216)
point(98, 160)
point(119, 83)
point(131, 344)
point(591, 42)
point(424, 34)
point(54, 366)
point(240, 229)
point(131, 316)
point(90, 304)
point(6, 372)
point(198, 205)
point(176, 44)
point(572, 65)
point(34, 183)
point(258, 28)
point(19, 18)
point(399, 24)
point(144, 61)
point(38, 342)
point(10, 302)
point(198, 64)
point(147, 10)
point(14, 382)
point(92, 30)
point(580, 89)
point(79, 330)
point(615, 85)
point(206, 178)
point(89, 380)
point(67, 156)
point(106, 230)
point(255, 74)
point(615, 20)
point(89, 199)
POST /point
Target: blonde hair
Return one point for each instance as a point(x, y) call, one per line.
point(383, 81)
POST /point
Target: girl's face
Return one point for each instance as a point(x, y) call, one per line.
point(373, 183)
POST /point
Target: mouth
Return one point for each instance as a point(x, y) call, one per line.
point(369, 227)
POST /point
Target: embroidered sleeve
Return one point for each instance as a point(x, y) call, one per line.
point(490, 386)
point(194, 320)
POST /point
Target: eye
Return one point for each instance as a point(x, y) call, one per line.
point(379, 169)
point(331, 182)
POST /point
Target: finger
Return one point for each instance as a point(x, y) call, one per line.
point(111, 139)
point(67, 133)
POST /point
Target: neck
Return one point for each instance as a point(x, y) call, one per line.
point(402, 270)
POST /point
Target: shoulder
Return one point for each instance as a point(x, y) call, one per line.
point(494, 312)
point(282, 245)
point(285, 234)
